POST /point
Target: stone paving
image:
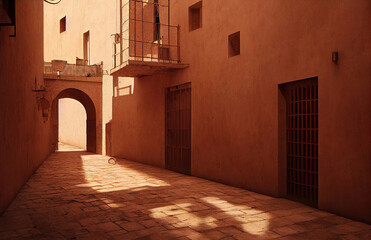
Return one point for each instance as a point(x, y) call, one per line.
point(77, 195)
point(64, 147)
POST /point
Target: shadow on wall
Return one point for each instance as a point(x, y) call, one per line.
point(108, 138)
point(122, 86)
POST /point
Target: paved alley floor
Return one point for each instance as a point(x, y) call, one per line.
point(77, 195)
point(64, 147)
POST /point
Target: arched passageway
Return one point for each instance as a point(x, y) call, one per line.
point(85, 100)
point(72, 123)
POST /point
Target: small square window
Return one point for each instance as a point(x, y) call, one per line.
point(62, 24)
point(195, 16)
point(234, 44)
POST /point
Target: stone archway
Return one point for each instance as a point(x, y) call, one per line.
point(91, 122)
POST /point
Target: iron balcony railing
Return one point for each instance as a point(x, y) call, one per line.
point(142, 37)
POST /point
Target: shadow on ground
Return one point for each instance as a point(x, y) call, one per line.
point(77, 195)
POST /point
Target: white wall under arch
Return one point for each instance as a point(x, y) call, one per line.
point(72, 123)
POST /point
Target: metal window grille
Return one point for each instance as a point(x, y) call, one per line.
point(302, 141)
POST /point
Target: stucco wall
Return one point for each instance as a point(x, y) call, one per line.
point(235, 100)
point(24, 141)
point(72, 123)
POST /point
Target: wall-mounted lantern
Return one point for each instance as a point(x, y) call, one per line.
point(43, 105)
point(42, 102)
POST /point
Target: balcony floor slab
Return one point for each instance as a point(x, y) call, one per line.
point(134, 68)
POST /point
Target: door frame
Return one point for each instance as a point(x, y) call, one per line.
point(178, 87)
point(282, 140)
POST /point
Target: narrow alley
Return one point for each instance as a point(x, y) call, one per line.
point(78, 195)
point(185, 119)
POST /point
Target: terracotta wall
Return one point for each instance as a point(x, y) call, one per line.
point(24, 141)
point(235, 100)
point(72, 123)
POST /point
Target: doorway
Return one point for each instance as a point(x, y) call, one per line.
point(178, 128)
point(72, 123)
point(90, 126)
point(302, 140)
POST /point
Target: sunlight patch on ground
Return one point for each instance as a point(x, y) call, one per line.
point(252, 220)
point(95, 172)
point(182, 218)
point(63, 147)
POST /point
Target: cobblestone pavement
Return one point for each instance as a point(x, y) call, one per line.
point(77, 195)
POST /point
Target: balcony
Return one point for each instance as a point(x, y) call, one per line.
point(61, 70)
point(147, 43)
